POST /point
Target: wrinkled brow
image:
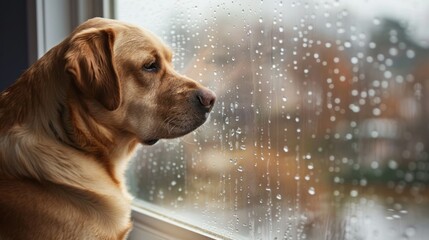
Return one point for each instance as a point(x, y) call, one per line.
point(168, 54)
point(164, 53)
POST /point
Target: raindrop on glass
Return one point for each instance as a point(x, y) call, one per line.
point(410, 231)
point(286, 149)
point(311, 191)
point(410, 53)
point(376, 21)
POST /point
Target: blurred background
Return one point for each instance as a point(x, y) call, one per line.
point(320, 130)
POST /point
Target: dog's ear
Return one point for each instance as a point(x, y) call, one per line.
point(89, 59)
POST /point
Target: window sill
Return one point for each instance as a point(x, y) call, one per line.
point(150, 223)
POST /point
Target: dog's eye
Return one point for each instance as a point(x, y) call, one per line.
point(151, 67)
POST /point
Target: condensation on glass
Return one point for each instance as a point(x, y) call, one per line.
point(321, 128)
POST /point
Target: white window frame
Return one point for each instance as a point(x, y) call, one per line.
point(49, 22)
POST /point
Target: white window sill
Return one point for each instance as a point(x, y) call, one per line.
point(150, 223)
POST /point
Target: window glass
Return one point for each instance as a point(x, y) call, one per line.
point(320, 130)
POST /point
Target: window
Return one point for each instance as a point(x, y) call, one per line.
point(321, 127)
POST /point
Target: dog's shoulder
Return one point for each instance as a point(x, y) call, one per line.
point(44, 210)
point(43, 183)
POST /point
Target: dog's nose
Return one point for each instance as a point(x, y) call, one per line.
point(206, 98)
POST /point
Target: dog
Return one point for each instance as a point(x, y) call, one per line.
point(70, 123)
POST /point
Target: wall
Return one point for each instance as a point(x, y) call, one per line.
point(13, 41)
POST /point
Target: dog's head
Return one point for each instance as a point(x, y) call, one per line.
point(125, 76)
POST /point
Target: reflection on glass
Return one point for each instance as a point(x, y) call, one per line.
point(321, 127)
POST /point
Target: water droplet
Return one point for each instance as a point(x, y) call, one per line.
point(279, 197)
point(376, 21)
point(281, 29)
point(410, 231)
point(233, 161)
point(347, 45)
point(311, 191)
point(410, 53)
point(392, 164)
point(376, 111)
point(173, 183)
point(238, 131)
point(374, 134)
point(349, 136)
point(240, 169)
point(393, 51)
point(161, 194)
point(409, 177)
point(285, 149)
point(354, 193)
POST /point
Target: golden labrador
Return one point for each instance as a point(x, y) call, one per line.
point(72, 120)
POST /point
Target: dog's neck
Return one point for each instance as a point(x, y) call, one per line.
point(35, 95)
point(44, 104)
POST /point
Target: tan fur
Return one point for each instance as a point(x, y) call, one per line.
point(72, 120)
